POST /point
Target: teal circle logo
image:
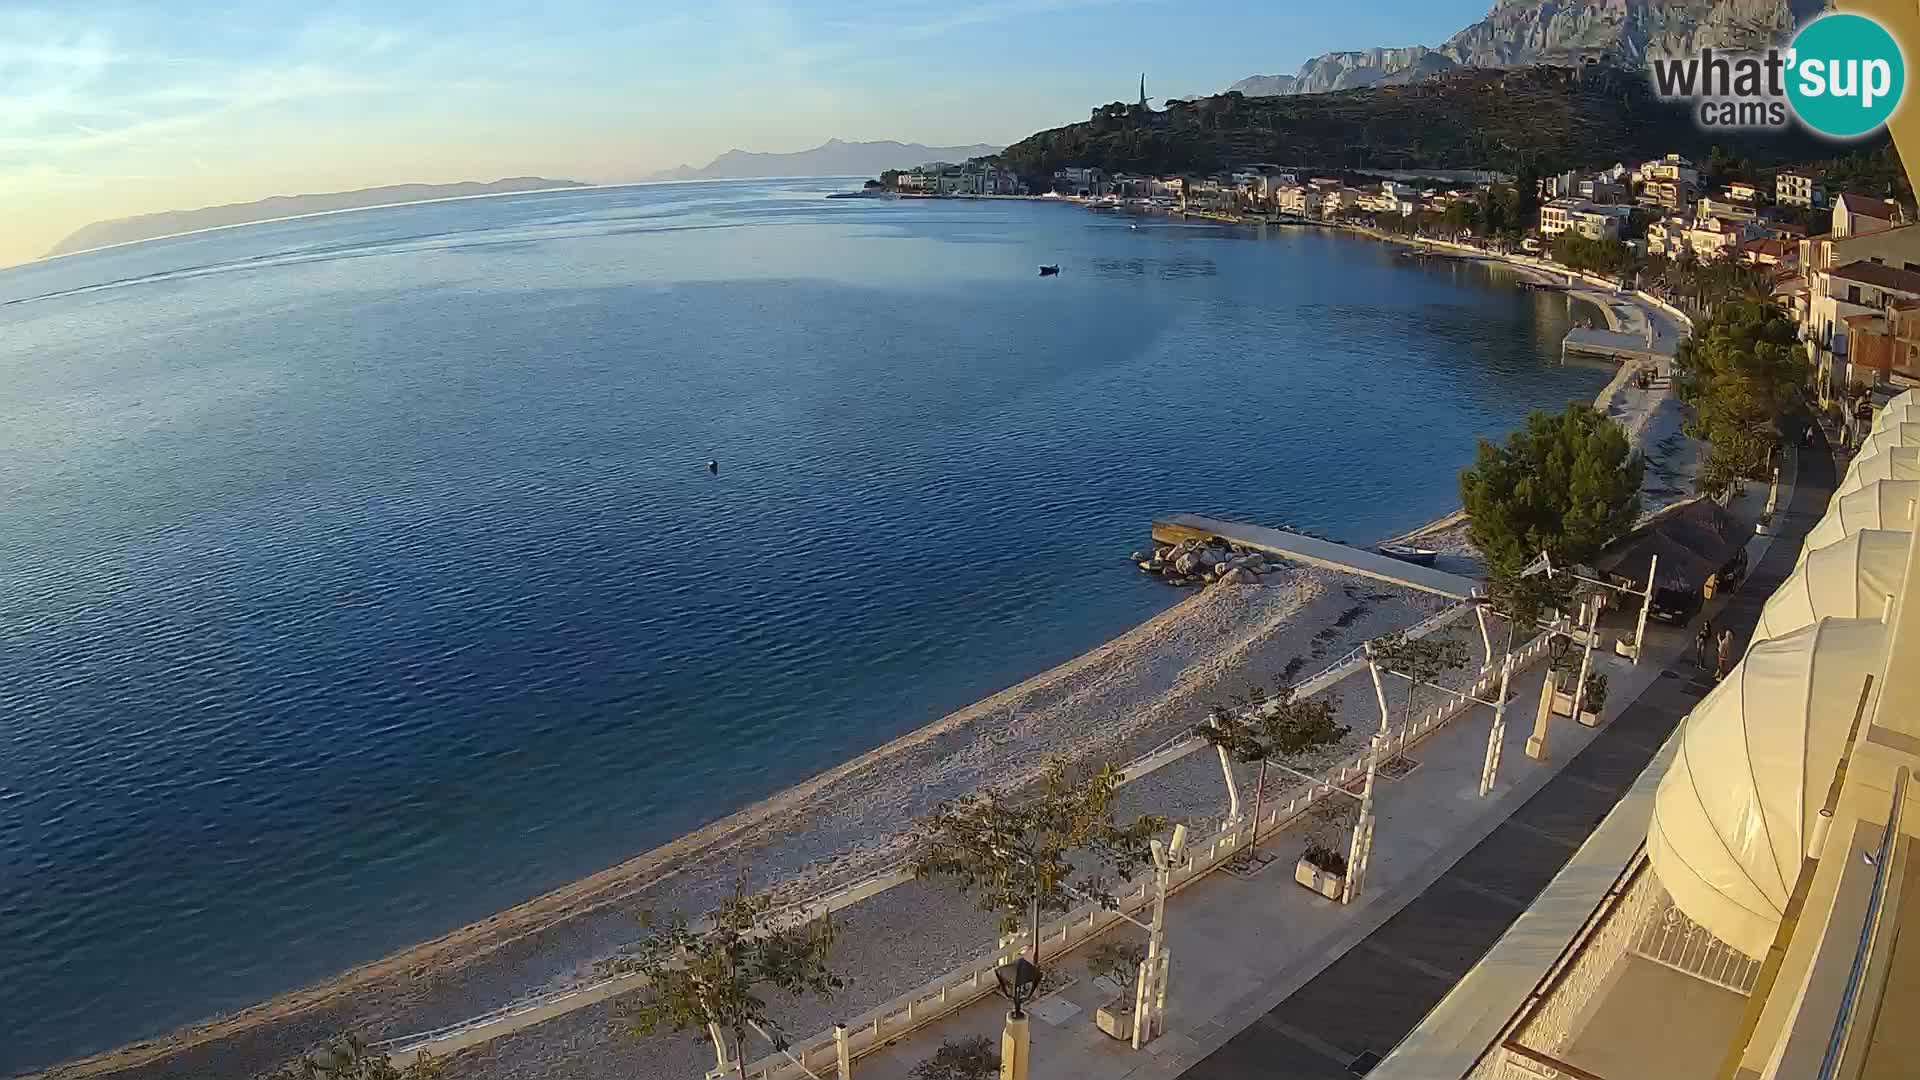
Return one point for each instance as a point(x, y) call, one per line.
point(1846, 75)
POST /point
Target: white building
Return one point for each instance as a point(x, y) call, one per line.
point(1591, 220)
point(1711, 207)
point(1672, 168)
point(1833, 295)
point(1717, 237)
point(1799, 189)
point(1857, 215)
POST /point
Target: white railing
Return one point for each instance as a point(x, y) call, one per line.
point(1666, 936)
point(404, 1049)
point(968, 983)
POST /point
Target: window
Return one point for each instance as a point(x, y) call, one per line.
point(1853, 294)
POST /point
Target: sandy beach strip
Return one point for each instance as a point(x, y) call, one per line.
point(1109, 704)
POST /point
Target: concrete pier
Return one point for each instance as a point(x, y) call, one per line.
point(1608, 345)
point(1323, 553)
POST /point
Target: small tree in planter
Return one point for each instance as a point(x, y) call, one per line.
point(1014, 855)
point(1258, 729)
point(1323, 866)
point(1119, 963)
point(1422, 660)
point(1595, 698)
point(971, 1058)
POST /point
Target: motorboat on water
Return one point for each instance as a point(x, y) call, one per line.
point(1050, 271)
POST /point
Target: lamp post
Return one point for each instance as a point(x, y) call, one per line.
point(1018, 983)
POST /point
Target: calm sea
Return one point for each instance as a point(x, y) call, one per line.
point(362, 575)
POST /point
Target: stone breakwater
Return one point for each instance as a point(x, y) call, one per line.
point(1197, 562)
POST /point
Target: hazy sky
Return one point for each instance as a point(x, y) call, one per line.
point(107, 110)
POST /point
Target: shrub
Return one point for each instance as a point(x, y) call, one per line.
point(971, 1058)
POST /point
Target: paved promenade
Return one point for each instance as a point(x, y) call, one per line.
point(1269, 980)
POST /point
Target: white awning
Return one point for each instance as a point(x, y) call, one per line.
point(1895, 463)
point(1849, 580)
point(1883, 504)
point(1904, 409)
point(1887, 436)
point(1733, 814)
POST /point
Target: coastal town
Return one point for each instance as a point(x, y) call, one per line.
point(1844, 263)
point(375, 711)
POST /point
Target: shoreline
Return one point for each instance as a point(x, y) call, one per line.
point(375, 990)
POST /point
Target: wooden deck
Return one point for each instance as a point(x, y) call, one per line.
point(1323, 553)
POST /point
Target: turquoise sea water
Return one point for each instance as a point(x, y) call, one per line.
point(362, 575)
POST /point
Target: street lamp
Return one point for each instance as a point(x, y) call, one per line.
point(1018, 981)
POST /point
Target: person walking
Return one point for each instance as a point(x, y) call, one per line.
point(1726, 654)
point(1700, 641)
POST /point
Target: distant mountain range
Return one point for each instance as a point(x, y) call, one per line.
point(1517, 33)
point(830, 158)
point(170, 222)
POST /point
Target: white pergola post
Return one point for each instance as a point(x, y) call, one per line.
point(1150, 991)
point(1646, 606)
point(1362, 846)
point(841, 1052)
point(1233, 789)
point(1497, 737)
point(723, 1067)
point(1590, 612)
point(1379, 688)
point(1486, 639)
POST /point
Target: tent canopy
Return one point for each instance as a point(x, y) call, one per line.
point(1885, 436)
point(1883, 504)
point(1852, 579)
point(1694, 539)
point(1892, 463)
point(1904, 408)
point(1733, 814)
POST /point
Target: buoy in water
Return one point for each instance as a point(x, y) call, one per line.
point(713, 466)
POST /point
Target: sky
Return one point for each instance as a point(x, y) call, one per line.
point(112, 110)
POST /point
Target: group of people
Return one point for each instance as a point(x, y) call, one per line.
point(1722, 646)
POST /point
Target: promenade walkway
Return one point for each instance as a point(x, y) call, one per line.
point(1355, 1012)
point(1268, 980)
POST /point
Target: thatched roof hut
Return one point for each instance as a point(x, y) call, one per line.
point(1695, 539)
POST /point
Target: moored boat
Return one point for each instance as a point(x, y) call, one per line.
point(1418, 556)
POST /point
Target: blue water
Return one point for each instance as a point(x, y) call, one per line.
point(361, 575)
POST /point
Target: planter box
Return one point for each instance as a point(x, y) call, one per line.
point(1329, 885)
point(1562, 704)
point(1623, 647)
point(1116, 1018)
point(1590, 719)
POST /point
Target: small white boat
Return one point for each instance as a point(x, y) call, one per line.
point(1418, 556)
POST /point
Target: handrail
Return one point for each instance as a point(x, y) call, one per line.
point(1870, 929)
